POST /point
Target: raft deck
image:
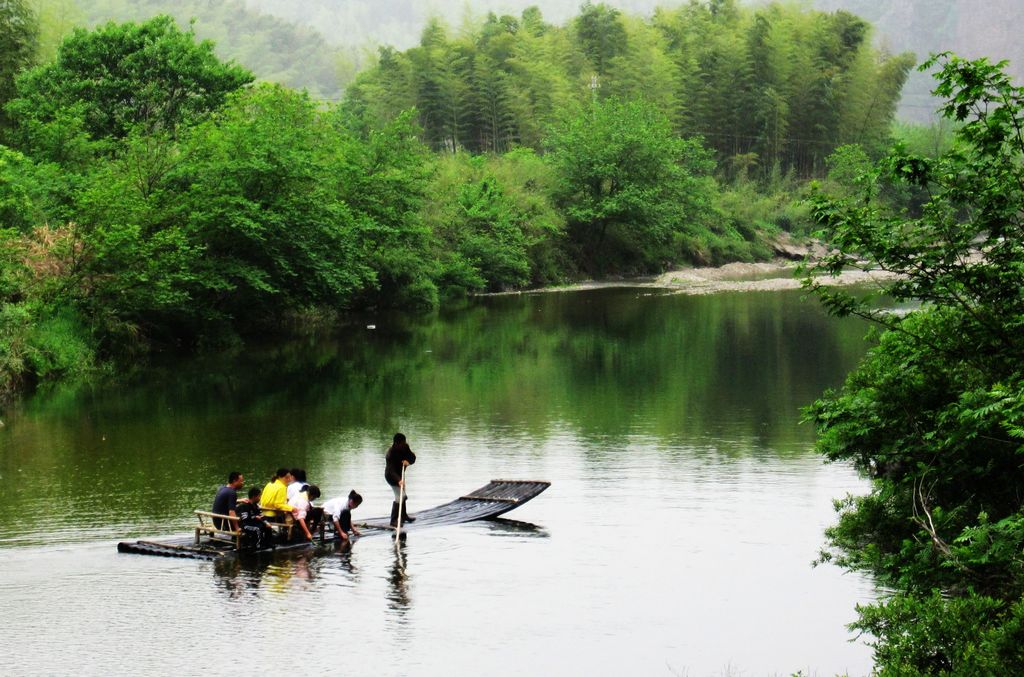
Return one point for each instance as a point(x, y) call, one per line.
point(490, 501)
point(487, 502)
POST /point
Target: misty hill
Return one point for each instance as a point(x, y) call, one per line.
point(275, 49)
point(919, 26)
point(319, 44)
point(971, 29)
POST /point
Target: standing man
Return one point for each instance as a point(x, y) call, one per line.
point(399, 456)
point(225, 501)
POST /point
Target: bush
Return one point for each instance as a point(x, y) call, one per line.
point(934, 413)
point(15, 324)
point(628, 186)
point(937, 635)
point(493, 223)
point(59, 347)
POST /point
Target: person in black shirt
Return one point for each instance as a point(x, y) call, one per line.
point(256, 533)
point(398, 457)
point(225, 500)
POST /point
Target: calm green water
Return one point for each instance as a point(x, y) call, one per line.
point(686, 505)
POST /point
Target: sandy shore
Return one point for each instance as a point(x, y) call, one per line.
point(733, 277)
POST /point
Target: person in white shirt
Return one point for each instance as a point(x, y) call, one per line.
point(339, 511)
point(302, 507)
point(295, 487)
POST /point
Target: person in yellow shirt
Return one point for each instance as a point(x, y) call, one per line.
point(274, 500)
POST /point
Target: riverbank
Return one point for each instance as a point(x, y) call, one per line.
point(777, 275)
point(772, 276)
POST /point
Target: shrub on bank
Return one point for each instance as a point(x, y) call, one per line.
point(35, 351)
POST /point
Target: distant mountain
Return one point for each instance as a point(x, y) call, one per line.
point(275, 49)
point(968, 27)
point(318, 44)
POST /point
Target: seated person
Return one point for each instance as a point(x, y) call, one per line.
point(225, 500)
point(299, 481)
point(314, 515)
point(275, 496)
point(256, 533)
point(340, 512)
point(303, 507)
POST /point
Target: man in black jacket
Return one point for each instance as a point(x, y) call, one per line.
point(398, 458)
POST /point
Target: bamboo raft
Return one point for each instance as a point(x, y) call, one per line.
point(490, 501)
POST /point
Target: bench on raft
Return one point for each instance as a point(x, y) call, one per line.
point(208, 525)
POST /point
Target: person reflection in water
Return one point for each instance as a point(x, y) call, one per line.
point(345, 551)
point(398, 593)
point(398, 457)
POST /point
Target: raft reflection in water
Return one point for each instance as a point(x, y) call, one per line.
point(287, 571)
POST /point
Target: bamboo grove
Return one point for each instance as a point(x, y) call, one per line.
point(769, 88)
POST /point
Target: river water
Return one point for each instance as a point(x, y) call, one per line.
point(677, 538)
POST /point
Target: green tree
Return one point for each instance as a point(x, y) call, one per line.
point(542, 70)
point(601, 34)
point(19, 38)
point(771, 88)
point(935, 412)
point(494, 119)
point(274, 49)
point(528, 182)
point(119, 78)
point(257, 194)
point(846, 168)
point(383, 178)
point(645, 71)
point(441, 73)
point(494, 224)
point(382, 93)
point(29, 192)
point(629, 185)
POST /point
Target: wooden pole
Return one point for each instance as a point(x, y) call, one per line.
point(401, 495)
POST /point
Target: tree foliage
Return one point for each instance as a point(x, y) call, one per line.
point(148, 77)
point(153, 197)
point(19, 38)
point(495, 223)
point(779, 83)
point(384, 178)
point(274, 49)
point(255, 189)
point(629, 185)
point(935, 413)
point(133, 225)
